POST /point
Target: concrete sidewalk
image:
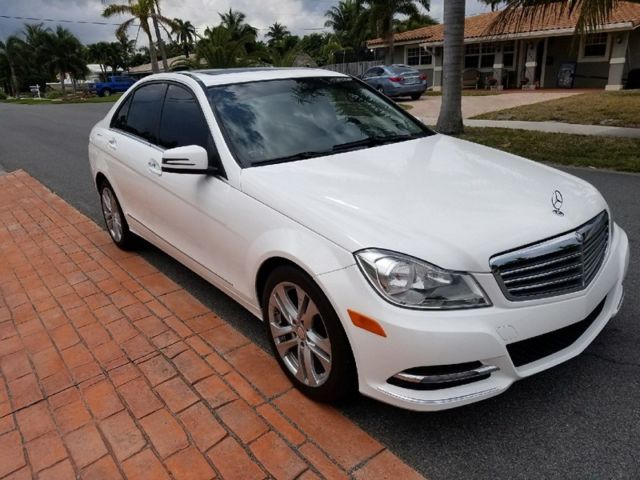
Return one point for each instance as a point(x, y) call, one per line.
point(558, 127)
point(110, 370)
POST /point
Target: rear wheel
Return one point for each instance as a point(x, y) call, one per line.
point(416, 96)
point(307, 337)
point(114, 218)
point(106, 93)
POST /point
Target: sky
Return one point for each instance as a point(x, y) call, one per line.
point(300, 16)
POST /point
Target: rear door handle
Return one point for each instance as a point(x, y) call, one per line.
point(154, 167)
point(113, 145)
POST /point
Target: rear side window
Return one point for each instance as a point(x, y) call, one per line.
point(119, 120)
point(183, 122)
point(144, 112)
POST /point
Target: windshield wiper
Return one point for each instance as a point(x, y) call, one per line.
point(375, 141)
point(295, 156)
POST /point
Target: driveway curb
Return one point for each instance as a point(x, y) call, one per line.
point(111, 370)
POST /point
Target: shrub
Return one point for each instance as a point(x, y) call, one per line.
point(3, 96)
point(53, 95)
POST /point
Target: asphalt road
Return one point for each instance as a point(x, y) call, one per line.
point(579, 420)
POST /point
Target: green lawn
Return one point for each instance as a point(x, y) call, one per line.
point(59, 101)
point(578, 150)
point(621, 109)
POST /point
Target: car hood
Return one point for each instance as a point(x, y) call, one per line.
point(447, 201)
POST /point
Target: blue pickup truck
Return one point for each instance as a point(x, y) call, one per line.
point(113, 85)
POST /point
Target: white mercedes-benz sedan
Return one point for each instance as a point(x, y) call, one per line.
point(422, 270)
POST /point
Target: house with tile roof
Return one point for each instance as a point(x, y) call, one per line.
point(538, 53)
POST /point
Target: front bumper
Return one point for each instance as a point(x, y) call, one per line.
point(427, 338)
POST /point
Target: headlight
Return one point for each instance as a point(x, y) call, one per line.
point(408, 282)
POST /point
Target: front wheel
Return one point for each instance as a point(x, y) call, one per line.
point(307, 337)
point(114, 218)
point(106, 93)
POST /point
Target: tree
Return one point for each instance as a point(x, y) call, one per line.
point(349, 23)
point(64, 55)
point(234, 22)
point(185, 34)
point(450, 118)
point(11, 53)
point(414, 22)
point(107, 54)
point(380, 16)
point(140, 12)
point(591, 13)
point(277, 33)
point(158, 20)
point(222, 48)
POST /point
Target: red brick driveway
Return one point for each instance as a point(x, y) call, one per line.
point(111, 370)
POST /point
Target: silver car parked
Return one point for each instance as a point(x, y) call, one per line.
point(397, 81)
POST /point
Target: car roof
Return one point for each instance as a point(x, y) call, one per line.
point(242, 75)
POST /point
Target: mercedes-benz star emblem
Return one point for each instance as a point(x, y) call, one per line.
point(556, 203)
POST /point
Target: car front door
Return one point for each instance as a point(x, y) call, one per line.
point(134, 156)
point(192, 210)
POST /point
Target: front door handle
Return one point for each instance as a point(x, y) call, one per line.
point(113, 145)
point(154, 167)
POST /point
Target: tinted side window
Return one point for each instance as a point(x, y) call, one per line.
point(144, 112)
point(182, 121)
point(119, 120)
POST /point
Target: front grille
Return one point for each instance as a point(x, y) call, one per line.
point(535, 348)
point(562, 264)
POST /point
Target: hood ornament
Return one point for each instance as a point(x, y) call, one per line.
point(556, 203)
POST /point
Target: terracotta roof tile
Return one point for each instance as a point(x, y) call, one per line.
point(479, 26)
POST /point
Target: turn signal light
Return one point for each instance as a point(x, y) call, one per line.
point(366, 323)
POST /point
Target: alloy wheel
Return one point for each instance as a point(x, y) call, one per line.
point(111, 214)
point(300, 334)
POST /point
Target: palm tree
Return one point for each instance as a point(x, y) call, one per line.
point(277, 33)
point(140, 12)
point(185, 34)
point(345, 20)
point(158, 20)
point(450, 118)
point(414, 22)
point(64, 55)
point(591, 13)
point(221, 48)
point(11, 53)
point(234, 22)
point(380, 16)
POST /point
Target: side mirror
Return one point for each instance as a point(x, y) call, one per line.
point(191, 159)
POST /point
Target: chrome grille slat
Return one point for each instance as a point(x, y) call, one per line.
point(541, 264)
point(546, 284)
point(573, 266)
point(563, 264)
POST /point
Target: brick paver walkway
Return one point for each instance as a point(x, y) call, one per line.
point(111, 370)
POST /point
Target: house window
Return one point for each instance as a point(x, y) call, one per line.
point(418, 56)
point(595, 46)
point(480, 55)
point(508, 56)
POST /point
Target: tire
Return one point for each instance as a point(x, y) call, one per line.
point(114, 219)
point(317, 335)
point(416, 96)
point(106, 93)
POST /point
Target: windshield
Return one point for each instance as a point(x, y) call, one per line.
point(286, 120)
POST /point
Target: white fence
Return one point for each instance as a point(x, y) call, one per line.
point(355, 68)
